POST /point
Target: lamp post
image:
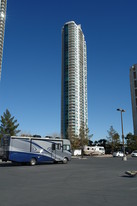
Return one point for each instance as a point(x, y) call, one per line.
point(121, 111)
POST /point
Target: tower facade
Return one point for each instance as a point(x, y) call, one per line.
point(74, 112)
point(3, 5)
point(133, 89)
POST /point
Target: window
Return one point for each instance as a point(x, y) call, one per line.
point(58, 146)
point(66, 147)
point(134, 74)
point(136, 101)
point(136, 92)
point(135, 83)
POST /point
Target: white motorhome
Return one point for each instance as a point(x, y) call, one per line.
point(33, 150)
point(94, 150)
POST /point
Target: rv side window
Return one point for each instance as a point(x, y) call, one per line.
point(58, 146)
point(53, 146)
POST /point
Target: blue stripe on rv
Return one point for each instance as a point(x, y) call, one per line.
point(26, 157)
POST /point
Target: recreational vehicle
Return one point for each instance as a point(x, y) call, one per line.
point(33, 150)
point(94, 150)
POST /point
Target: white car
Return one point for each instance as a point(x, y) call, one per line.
point(134, 153)
point(118, 154)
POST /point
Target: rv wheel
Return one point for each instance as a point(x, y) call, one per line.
point(65, 160)
point(32, 161)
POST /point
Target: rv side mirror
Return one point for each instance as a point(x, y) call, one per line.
point(53, 146)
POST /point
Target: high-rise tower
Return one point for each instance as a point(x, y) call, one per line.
point(3, 5)
point(133, 89)
point(74, 80)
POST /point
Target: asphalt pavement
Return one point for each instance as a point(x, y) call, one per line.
point(81, 182)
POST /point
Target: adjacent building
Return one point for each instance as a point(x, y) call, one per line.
point(133, 88)
point(74, 111)
point(3, 5)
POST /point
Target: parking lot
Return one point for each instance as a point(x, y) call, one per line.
point(90, 181)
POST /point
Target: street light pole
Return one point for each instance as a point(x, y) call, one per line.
point(121, 111)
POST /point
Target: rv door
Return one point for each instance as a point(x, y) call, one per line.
point(53, 147)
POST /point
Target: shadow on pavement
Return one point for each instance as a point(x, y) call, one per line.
point(128, 176)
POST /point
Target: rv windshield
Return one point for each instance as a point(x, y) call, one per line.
point(66, 147)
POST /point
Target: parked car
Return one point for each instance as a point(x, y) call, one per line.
point(134, 153)
point(118, 154)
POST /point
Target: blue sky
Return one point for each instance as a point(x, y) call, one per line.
point(30, 86)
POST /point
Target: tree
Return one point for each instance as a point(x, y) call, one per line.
point(90, 142)
point(8, 124)
point(113, 139)
point(78, 142)
point(83, 135)
point(102, 142)
point(74, 140)
point(26, 134)
point(131, 142)
point(55, 134)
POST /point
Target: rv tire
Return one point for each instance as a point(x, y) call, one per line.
point(65, 160)
point(33, 161)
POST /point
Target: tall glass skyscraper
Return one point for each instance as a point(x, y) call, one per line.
point(3, 5)
point(74, 112)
